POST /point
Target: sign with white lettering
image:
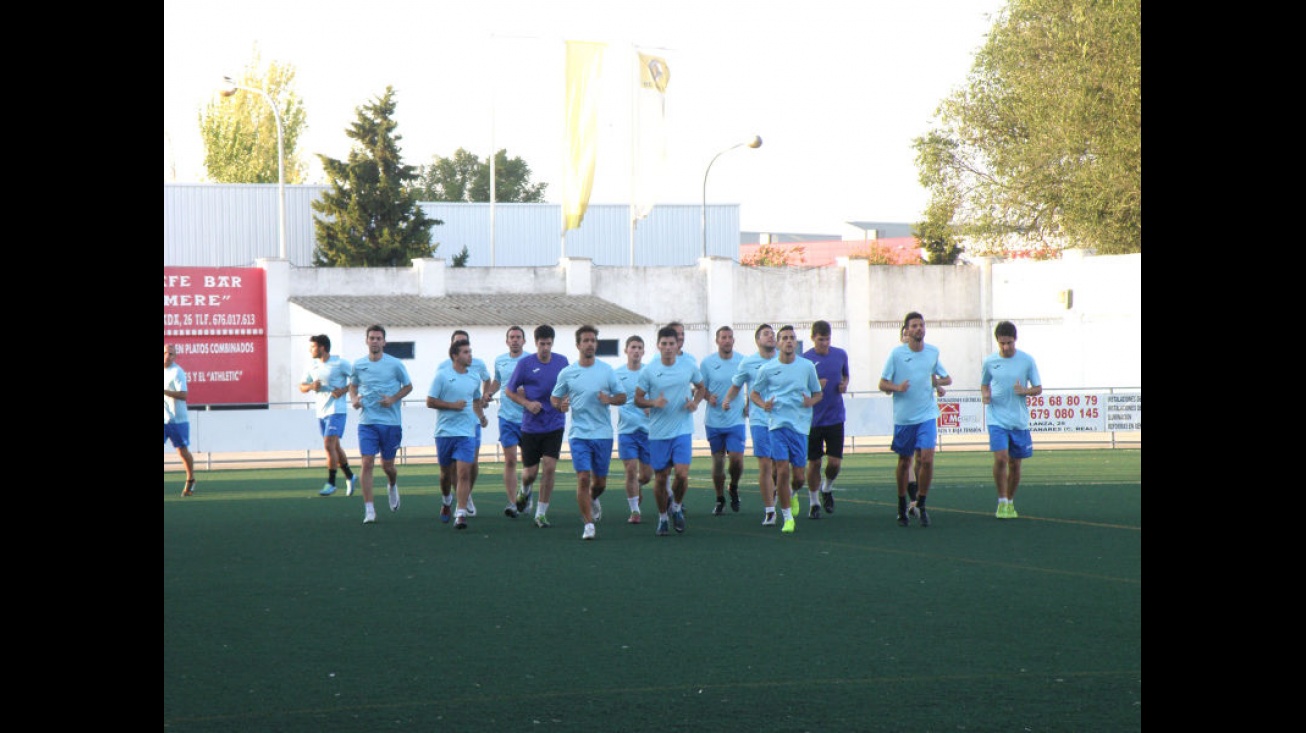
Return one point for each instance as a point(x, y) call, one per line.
point(217, 317)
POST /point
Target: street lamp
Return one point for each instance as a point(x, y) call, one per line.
point(230, 89)
point(755, 142)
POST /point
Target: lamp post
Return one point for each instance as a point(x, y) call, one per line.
point(230, 89)
point(755, 142)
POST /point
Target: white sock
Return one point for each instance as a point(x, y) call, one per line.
point(460, 514)
point(633, 501)
point(827, 486)
point(813, 497)
point(787, 514)
point(824, 486)
point(448, 500)
point(662, 517)
point(369, 507)
point(541, 508)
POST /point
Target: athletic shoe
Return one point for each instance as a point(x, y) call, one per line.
point(734, 500)
point(596, 510)
point(912, 489)
point(911, 509)
point(188, 489)
point(678, 520)
point(768, 520)
point(1001, 513)
point(369, 517)
point(394, 497)
point(794, 506)
point(634, 518)
point(1011, 510)
point(523, 499)
point(788, 527)
point(541, 520)
point(925, 517)
point(471, 506)
point(588, 534)
point(510, 511)
point(661, 531)
point(903, 521)
point(446, 513)
point(349, 485)
point(460, 522)
point(720, 506)
point(814, 512)
point(327, 490)
point(827, 501)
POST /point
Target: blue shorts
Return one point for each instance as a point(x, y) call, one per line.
point(383, 439)
point(634, 446)
point(907, 439)
point(332, 425)
point(591, 454)
point(509, 433)
point(178, 433)
point(455, 448)
point(1017, 443)
point(761, 441)
point(729, 440)
point(675, 451)
point(789, 445)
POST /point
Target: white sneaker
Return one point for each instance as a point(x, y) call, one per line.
point(769, 520)
point(913, 510)
point(596, 510)
point(394, 497)
point(471, 506)
point(588, 534)
point(349, 485)
point(369, 517)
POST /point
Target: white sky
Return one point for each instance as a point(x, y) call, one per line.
point(837, 89)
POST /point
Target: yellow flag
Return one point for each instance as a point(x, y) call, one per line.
point(649, 140)
point(584, 64)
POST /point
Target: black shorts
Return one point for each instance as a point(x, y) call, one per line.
point(537, 445)
point(826, 440)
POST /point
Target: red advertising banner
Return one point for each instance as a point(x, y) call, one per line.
point(217, 317)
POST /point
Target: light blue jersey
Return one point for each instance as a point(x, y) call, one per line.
point(174, 380)
point(788, 384)
point(718, 375)
point(450, 386)
point(676, 383)
point(917, 404)
point(477, 367)
point(334, 374)
point(590, 419)
point(503, 366)
point(744, 378)
point(629, 417)
point(377, 379)
point(1006, 409)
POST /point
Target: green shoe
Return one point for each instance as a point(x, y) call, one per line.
point(541, 520)
point(788, 527)
point(1001, 513)
point(1011, 510)
point(794, 506)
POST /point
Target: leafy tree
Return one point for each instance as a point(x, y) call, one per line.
point(371, 217)
point(1043, 146)
point(464, 177)
point(936, 236)
point(240, 131)
point(773, 255)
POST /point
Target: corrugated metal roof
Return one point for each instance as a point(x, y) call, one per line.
point(466, 310)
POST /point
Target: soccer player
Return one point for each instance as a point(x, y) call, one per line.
point(632, 431)
point(764, 338)
point(328, 379)
point(911, 374)
point(786, 388)
point(456, 393)
point(725, 429)
point(510, 414)
point(479, 369)
point(672, 389)
point(176, 424)
point(828, 416)
point(378, 387)
point(1006, 379)
point(531, 386)
point(588, 389)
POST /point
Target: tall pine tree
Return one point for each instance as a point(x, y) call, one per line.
point(370, 216)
